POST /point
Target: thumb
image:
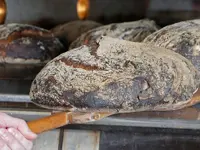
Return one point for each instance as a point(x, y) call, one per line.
point(7, 121)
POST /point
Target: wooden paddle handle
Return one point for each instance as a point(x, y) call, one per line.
point(48, 123)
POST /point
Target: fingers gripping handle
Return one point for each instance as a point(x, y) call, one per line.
point(48, 123)
point(63, 118)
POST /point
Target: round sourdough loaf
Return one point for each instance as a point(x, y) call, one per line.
point(116, 75)
point(134, 31)
point(182, 37)
point(25, 49)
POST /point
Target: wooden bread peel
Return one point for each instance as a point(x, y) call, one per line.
point(64, 118)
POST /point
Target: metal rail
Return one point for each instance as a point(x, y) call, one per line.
point(14, 98)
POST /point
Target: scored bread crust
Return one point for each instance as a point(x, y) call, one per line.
point(134, 31)
point(25, 49)
point(116, 75)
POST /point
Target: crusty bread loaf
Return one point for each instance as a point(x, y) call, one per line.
point(25, 49)
point(182, 37)
point(69, 32)
point(134, 31)
point(116, 75)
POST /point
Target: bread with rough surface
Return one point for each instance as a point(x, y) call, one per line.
point(116, 75)
point(25, 49)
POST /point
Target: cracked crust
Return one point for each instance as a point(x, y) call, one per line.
point(25, 49)
point(132, 77)
point(134, 31)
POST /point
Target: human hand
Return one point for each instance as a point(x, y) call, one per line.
point(15, 134)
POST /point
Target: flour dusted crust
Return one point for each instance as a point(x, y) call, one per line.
point(69, 32)
point(134, 31)
point(182, 37)
point(25, 49)
point(116, 75)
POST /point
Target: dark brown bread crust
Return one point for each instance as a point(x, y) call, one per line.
point(25, 49)
point(69, 32)
point(134, 31)
point(116, 75)
point(182, 37)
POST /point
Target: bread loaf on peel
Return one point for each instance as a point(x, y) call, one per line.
point(116, 75)
point(25, 49)
point(134, 31)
